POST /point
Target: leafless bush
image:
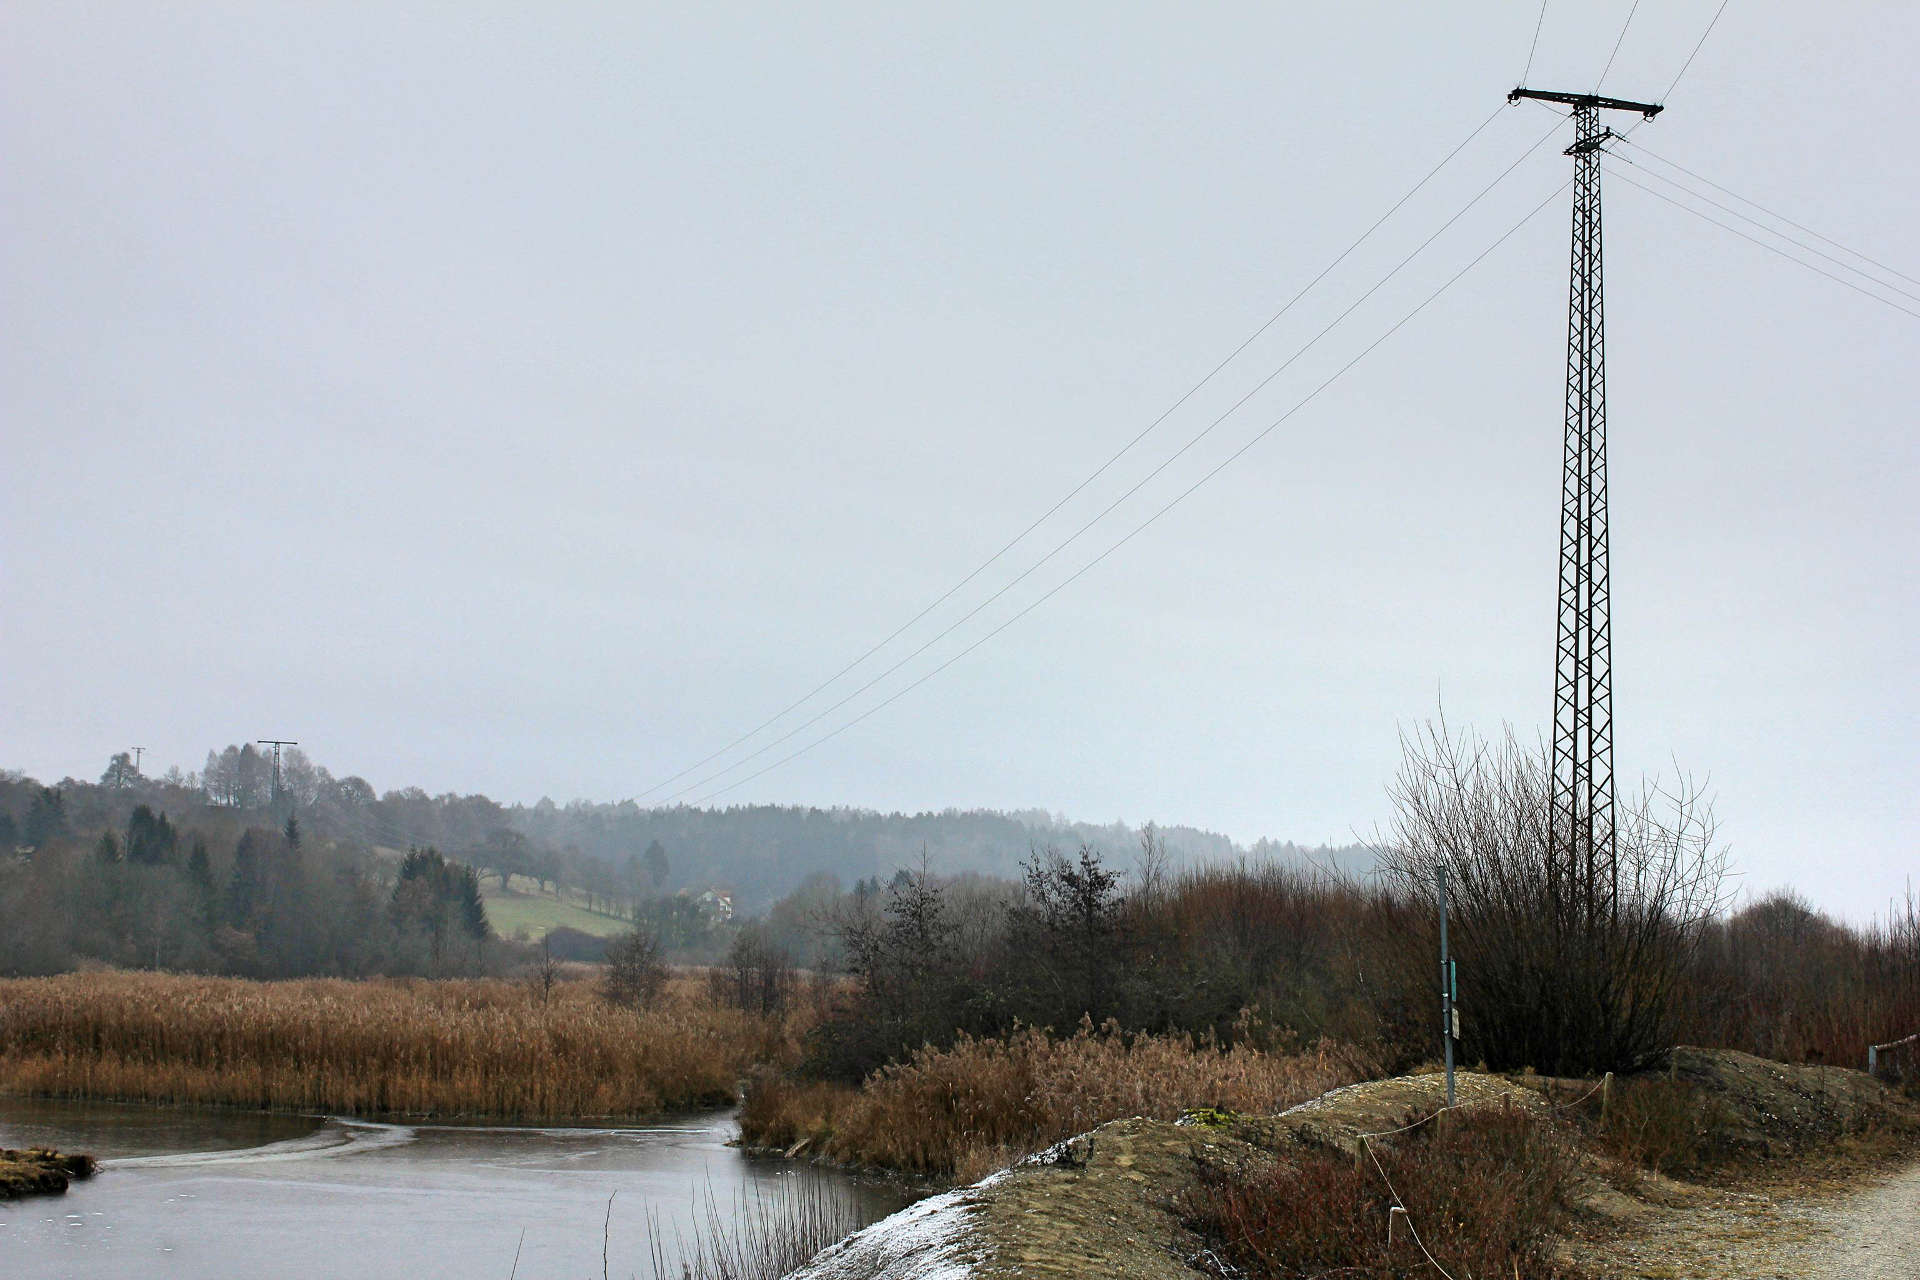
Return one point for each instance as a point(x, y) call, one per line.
point(758, 976)
point(1567, 964)
point(635, 972)
point(545, 974)
point(1785, 981)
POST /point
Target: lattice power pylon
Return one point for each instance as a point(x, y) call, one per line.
point(1580, 832)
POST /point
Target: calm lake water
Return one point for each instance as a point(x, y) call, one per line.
point(229, 1194)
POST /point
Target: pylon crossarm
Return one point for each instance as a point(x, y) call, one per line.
point(1586, 101)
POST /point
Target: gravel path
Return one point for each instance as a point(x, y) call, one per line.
point(1877, 1236)
point(1870, 1231)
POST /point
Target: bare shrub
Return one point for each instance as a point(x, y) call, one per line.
point(635, 972)
point(545, 973)
point(1483, 1190)
point(1564, 967)
point(1298, 945)
point(1784, 981)
point(758, 975)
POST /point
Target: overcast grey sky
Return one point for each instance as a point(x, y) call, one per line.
point(530, 399)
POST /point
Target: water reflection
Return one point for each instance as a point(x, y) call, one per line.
point(231, 1194)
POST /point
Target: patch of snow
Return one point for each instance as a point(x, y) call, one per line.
point(931, 1240)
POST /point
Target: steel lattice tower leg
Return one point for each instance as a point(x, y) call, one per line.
point(1582, 824)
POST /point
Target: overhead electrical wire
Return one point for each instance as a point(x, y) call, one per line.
point(1698, 45)
point(1175, 501)
point(804, 725)
point(1093, 476)
point(1105, 466)
point(1771, 248)
point(1755, 222)
point(1622, 39)
point(1801, 227)
point(1534, 48)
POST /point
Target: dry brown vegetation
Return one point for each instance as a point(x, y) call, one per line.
point(38, 1171)
point(403, 1047)
point(983, 1103)
point(1482, 1189)
point(760, 1235)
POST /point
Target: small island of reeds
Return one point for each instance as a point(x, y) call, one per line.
point(38, 1171)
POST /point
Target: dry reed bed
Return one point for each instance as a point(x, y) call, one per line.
point(965, 1111)
point(414, 1047)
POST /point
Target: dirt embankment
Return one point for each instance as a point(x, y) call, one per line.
point(37, 1171)
point(1104, 1203)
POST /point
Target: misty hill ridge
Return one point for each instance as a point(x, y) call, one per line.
point(758, 852)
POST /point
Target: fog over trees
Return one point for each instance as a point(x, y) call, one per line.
point(234, 869)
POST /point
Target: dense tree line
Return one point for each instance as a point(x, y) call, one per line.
point(1561, 969)
point(217, 891)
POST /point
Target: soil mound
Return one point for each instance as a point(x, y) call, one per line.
point(1104, 1203)
point(1761, 1109)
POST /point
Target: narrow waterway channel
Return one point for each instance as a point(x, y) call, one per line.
point(221, 1194)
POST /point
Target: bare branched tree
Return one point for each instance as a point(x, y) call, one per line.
point(635, 970)
point(1150, 871)
point(1557, 970)
point(546, 972)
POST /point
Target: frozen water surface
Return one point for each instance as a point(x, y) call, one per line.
point(217, 1194)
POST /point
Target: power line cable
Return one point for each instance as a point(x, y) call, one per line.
point(1701, 178)
point(1177, 499)
point(1616, 46)
point(1772, 231)
point(951, 627)
point(1081, 487)
point(1534, 48)
point(1698, 45)
point(1705, 217)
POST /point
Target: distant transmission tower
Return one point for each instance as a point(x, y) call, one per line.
point(276, 744)
point(1580, 833)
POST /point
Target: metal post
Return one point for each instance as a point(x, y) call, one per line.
point(1446, 985)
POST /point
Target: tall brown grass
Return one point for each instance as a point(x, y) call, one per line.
point(399, 1047)
point(984, 1103)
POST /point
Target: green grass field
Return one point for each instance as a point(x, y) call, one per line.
point(523, 907)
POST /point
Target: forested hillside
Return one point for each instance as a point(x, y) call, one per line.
point(757, 853)
point(236, 869)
